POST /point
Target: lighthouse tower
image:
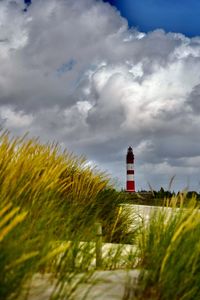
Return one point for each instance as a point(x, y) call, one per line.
point(130, 181)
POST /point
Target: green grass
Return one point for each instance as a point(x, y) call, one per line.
point(169, 253)
point(50, 200)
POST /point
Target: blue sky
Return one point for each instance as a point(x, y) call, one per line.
point(171, 15)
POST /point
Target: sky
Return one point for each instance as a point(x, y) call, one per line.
point(170, 15)
point(81, 73)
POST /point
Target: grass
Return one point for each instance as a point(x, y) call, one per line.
point(169, 253)
point(50, 201)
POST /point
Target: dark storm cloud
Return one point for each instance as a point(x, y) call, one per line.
point(72, 71)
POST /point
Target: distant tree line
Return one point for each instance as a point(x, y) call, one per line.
point(153, 197)
point(160, 194)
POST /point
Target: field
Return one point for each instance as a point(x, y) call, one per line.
point(50, 204)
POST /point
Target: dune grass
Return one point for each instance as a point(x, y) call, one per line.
point(50, 201)
point(169, 253)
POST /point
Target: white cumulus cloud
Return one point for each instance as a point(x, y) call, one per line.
point(73, 71)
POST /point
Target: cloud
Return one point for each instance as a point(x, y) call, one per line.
point(72, 71)
point(194, 99)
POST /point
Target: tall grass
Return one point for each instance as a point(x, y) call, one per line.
point(169, 253)
point(49, 202)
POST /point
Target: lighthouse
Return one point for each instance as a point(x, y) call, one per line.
point(130, 181)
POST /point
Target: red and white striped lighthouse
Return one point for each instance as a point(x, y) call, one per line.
point(130, 181)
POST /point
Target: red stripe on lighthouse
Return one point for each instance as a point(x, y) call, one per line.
point(130, 186)
point(130, 171)
point(130, 181)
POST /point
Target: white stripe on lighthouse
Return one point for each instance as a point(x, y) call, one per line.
point(130, 167)
point(130, 177)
